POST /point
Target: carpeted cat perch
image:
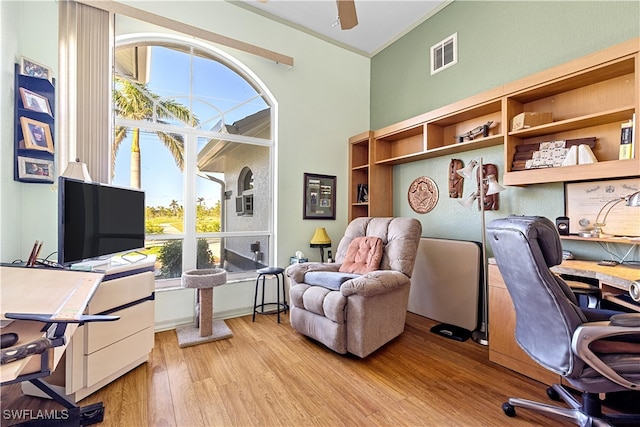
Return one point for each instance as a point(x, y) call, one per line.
point(205, 328)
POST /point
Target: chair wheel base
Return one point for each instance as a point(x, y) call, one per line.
point(91, 414)
point(553, 394)
point(509, 410)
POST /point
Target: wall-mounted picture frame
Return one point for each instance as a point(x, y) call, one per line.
point(36, 135)
point(603, 201)
point(30, 168)
point(34, 101)
point(29, 67)
point(319, 196)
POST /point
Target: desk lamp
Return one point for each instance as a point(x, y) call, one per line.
point(632, 200)
point(475, 170)
point(320, 240)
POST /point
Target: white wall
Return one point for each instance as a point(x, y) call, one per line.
point(28, 212)
point(323, 100)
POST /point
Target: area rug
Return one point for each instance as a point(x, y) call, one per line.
point(190, 335)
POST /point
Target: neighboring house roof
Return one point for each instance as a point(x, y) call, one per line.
point(211, 157)
point(133, 62)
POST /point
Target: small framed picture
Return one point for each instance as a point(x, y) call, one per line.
point(31, 68)
point(37, 135)
point(32, 168)
point(34, 102)
point(319, 196)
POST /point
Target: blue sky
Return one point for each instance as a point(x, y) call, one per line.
point(214, 84)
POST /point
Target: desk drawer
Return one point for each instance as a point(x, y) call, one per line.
point(117, 292)
point(132, 320)
point(111, 359)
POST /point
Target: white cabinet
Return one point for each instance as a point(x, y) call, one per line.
point(100, 352)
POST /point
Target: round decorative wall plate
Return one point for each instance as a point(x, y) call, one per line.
point(423, 195)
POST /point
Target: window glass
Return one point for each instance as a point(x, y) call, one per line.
point(186, 129)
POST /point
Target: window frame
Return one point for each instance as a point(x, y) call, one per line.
point(191, 135)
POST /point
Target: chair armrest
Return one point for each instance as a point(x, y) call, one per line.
point(375, 283)
point(296, 272)
point(586, 334)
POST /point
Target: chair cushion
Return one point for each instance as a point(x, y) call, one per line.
point(363, 255)
point(328, 279)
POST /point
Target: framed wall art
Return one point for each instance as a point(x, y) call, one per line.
point(319, 196)
point(29, 67)
point(602, 201)
point(34, 101)
point(37, 135)
point(30, 168)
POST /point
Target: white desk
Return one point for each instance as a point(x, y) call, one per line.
point(62, 294)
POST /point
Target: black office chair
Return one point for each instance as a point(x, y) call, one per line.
point(592, 350)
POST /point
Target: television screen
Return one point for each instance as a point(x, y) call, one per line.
point(95, 220)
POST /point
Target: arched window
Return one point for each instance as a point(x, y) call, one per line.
point(244, 201)
point(191, 124)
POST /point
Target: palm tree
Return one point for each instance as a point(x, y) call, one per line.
point(136, 102)
point(174, 206)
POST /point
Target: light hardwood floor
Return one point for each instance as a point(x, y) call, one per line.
point(269, 375)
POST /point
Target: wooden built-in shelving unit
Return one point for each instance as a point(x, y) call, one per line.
point(589, 97)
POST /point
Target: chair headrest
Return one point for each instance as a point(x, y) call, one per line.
point(538, 229)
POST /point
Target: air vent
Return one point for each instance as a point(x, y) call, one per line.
point(444, 54)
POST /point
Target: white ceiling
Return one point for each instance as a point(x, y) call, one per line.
point(380, 22)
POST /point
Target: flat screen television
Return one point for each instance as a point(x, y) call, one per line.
point(96, 220)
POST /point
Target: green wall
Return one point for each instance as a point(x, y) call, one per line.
point(498, 42)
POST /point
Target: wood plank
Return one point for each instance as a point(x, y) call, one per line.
point(267, 374)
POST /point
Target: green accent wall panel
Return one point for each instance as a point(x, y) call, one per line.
point(498, 42)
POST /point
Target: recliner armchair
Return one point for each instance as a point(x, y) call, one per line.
point(593, 350)
point(351, 312)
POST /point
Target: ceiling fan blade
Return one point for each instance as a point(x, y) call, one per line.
point(347, 14)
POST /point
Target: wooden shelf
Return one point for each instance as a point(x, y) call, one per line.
point(596, 119)
point(600, 170)
point(445, 151)
point(589, 97)
point(609, 64)
point(379, 179)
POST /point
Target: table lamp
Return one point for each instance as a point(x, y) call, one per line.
point(320, 240)
point(77, 170)
point(631, 200)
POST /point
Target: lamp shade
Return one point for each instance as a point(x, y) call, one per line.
point(494, 186)
point(467, 171)
point(633, 200)
point(77, 170)
point(467, 202)
point(320, 238)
